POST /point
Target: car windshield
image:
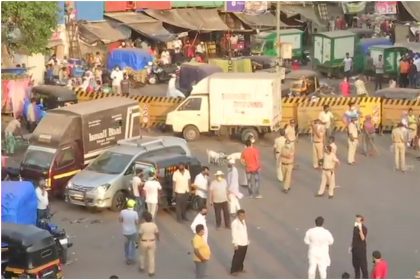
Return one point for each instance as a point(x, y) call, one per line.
point(38, 159)
point(110, 163)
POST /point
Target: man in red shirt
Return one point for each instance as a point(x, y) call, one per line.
point(380, 267)
point(251, 159)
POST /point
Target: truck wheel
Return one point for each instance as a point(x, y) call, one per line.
point(118, 202)
point(247, 133)
point(191, 133)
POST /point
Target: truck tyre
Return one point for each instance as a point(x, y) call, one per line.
point(191, 133)
point(118, 201)
point(248, 132)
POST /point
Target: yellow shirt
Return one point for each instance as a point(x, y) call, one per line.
point(397, 135)
point(353, 133)
point(287, 154)
point(318, 133)
point(202, 247)
point(412, 122)
point(290, 133)
point(279, 143)
point(329, 161)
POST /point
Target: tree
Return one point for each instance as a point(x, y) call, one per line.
point(28, 26)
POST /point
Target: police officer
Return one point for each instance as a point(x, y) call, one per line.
point(352, 139)
point(290, 132)
point(328, 173)
point(318, 135)
point(279, 142)
point(287, 155)
point(399, 147)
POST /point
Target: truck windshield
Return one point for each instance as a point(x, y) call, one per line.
point(110, 163)
point(38, 158)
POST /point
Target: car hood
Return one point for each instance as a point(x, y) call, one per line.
point(92, 179)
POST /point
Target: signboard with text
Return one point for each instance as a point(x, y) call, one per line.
point(386, 8)
point(235, 6)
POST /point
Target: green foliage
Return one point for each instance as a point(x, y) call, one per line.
point(28, 26)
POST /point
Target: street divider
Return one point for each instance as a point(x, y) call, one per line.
point(309, 109)
point(384, 112)
point(392, 111)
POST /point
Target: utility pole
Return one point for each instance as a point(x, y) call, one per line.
point(278, 37)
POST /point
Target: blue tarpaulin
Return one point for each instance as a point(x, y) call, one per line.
point(18, 203)
point(134, 58)
point(365, 44)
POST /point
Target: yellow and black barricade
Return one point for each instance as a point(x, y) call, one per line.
point(392, 111)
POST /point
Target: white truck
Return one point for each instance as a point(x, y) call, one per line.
point(242, 104)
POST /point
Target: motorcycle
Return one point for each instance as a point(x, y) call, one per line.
point(160, 73)
point(61, 238)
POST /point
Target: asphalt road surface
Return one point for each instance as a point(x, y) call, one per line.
point(276, 224)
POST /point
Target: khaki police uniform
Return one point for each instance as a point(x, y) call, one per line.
point(290, 133)
point(399, 148)
point(352, 140)
point(287, 155)
point(412, 127)
point(328, 174)
point(278, 145)
point(318, 135)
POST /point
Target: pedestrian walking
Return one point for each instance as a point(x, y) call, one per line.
point(360, 86)
point(31, 117)
point(352, 140)
point(202, 252)
point(200, 219)
point(380, 266)
point(358, 248)
point(326, 118)
point(398, 141)
point(138, 192)
point(368, 137)
point(279, 142)
point(233, 187)
point(319, 239)
point(318, 141)
point(181, 185)
point(240, 242)
point(348, 65)
point(251, 159)
point(116, 76)
point(290, 132)
point(152, 187)
point(129, 220)
point(148, 235)
point(369, 67)
point(328, 173)
point(201, 185)
point(219, 199)
point(42, 201)
point(345, 87)
point(287, 155)
point(379, 72)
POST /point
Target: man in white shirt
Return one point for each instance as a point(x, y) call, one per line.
point(117, 76)
point(233, 187)
point(326, 118)
point(218, 197)
point(201, 184)
point(240, 243)
point(31, 116)
point(42, 201)
point(319, 239)
point(151, 190)
point(200, 219)
point(181, 187)
point(348, 65)
point(137, 186)
point(129, 220)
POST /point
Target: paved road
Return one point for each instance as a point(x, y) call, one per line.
point(276, 223)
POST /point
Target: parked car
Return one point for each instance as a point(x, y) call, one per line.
point(105, 182)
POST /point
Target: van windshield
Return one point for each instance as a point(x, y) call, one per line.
point(38, 158)
point(110, 163)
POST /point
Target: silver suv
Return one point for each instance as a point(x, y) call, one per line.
point(105, 182)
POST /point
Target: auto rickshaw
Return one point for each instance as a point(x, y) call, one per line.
point(300, 83)
point(29, 252)
point(51, 97)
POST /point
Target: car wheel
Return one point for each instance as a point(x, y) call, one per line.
point(118, 201)
point(191, 133)
point(247, 133)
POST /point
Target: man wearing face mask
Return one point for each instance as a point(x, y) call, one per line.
point(358, 248)
point(219, 199)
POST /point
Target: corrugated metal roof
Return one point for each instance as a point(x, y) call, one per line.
point(338, 33)
point(130, 17)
